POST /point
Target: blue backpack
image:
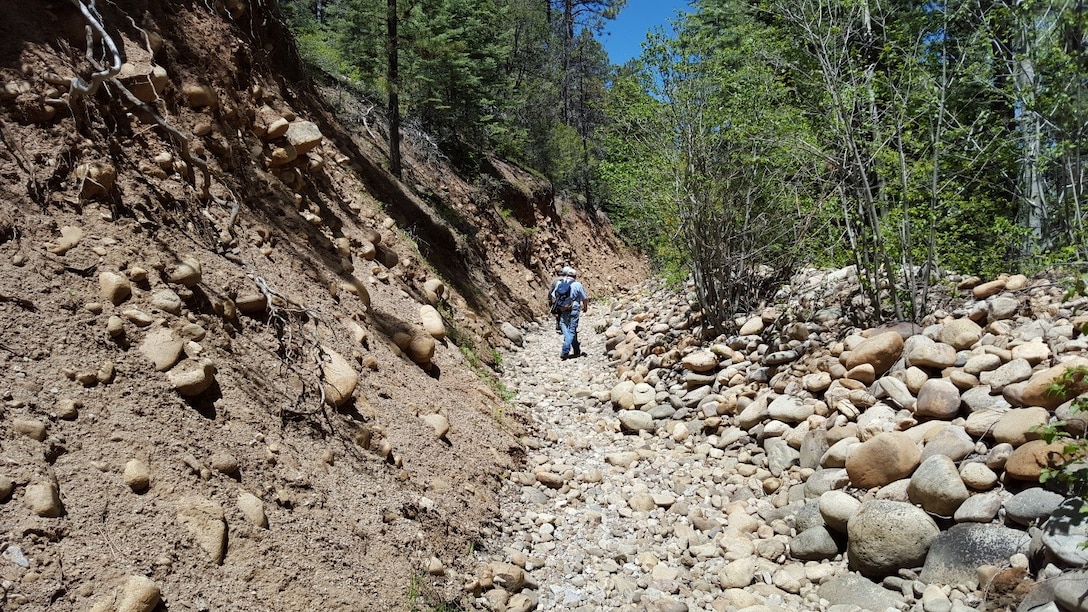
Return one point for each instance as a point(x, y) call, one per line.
point(563, 299)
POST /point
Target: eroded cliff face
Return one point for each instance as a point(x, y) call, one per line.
point(242, 362)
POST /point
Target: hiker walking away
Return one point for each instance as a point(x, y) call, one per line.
point(570, 302)
point(551, 298)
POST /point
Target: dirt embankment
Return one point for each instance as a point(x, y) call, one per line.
point(221, 382)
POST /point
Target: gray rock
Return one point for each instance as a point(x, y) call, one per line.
point(837, 508)
point(1012, 372)
point(813, 447)
point(814, 544)
point(1032, 505)
point(807, 517)
point(1070, 591)
point(897, 391)
point(956, 554)
point(937, 487)
point(854, 590)
point(1064, 533)
point(822, 481)
point(512, 334)
point(635, 420)
point(938, 399)
point(982, 398)
point(979, 508)
point(789, 409)
point(885, 536)
point(951, 441)
point(780, 455)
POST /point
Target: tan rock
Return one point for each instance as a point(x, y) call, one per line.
point(752, 326)
point(204, 520)
point(1034, 352)
point(985, 290)
point(938, 399)
point(881, 351)
point(340, 378)
point(114, 287)
point(439, 423)
point(1036, 390)
point(95, 179)
point(700, 361)
point(198, 95)
point(224, 463)
point(1015, 426)
point(421, 349)
point(863, 373)
point(31, 428)
point(69, 238)
point(433, 288)
point(303, 136)
point(251, 303)
point(923, 352)
point(137, 475)
point(432, 322)
point(883, 459)
point(162, 348)
point(139, 594)
point(252, 509)
point(43, 499)
point(1029, 460)
point(961, 333)
point(191, 378)
point(187, 273)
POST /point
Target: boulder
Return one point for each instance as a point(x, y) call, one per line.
point(1064, 534)
point(961, 334)
point(1036, 390)
point(1027, 462)
point(956, 554)
point(920, 351)
point(885, 458)
point(1016, 426)
point(881, 351)
point(856, 592)
point(938, 399)
point(885, 536)
point(936, 486)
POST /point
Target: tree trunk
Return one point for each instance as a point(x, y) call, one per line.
point(394, 86)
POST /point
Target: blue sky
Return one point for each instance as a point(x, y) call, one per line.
point(623, 36)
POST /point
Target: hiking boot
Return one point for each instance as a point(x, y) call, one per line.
point(564, 357)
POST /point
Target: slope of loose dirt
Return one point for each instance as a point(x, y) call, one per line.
point(358, 498)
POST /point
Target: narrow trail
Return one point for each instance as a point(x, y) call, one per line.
point(602, 520)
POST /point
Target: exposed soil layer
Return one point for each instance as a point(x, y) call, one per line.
point(264, 271)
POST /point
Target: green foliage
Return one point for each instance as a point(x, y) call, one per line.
point(1070, 472)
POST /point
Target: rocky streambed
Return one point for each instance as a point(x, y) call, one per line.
point(802, 464)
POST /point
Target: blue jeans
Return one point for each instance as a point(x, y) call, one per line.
point(568, 322)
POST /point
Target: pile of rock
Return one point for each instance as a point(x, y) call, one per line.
point(902, 446)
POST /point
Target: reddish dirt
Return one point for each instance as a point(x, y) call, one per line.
point(359, 497)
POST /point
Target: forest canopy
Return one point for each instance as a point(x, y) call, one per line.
point(757, 136)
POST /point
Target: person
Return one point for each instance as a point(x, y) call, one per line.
point(571, 308)
point(551, 297)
